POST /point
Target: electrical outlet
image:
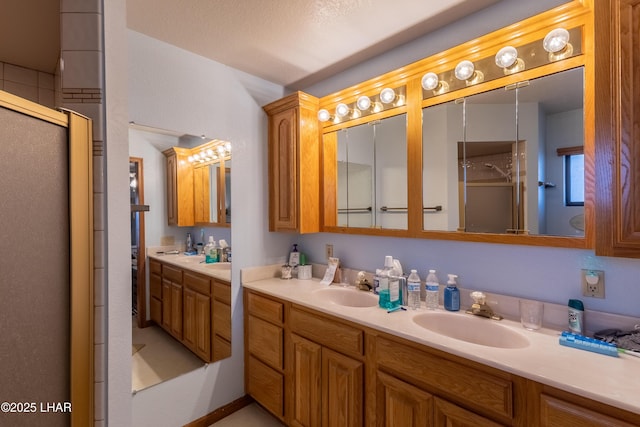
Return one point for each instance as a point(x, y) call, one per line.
point(592, 283)
point(329, 250)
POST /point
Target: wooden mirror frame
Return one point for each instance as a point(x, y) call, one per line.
point(577, 13)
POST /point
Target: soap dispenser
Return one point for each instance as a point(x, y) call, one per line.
point(452, 294)
point(210, 251)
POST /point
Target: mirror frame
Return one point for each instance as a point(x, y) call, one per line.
point(574, 14)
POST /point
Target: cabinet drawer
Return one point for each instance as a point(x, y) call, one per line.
point(155, 266)
point(265, 341)
point(155, 286)
point(266, 386)
point(265, 308)
point(200, 284)
point(454, 380)
point(221, 348)
point(222, 319)
point(222, 291)
point(328, 332)
point(171, 273)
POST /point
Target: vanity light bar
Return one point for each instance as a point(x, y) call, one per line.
point(508, 60)
point(215, 152)
point(365, 105)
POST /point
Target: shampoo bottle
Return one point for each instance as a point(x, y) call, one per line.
point(452, 294)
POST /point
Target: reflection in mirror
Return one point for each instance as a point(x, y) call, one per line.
point(372, 174)
point(510, 148)
point(227, 190)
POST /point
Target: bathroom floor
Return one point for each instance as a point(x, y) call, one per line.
point(158, 357)
point(249, 416)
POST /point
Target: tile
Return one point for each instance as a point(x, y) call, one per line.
point(99, 410)
point(98, 249)
point(2, 70)
point(100, 367)
point(250, 416)
point(46, 97)
point(22, 75)
point(46, 80)
point(98, 174)
point(99, 423)
point(99, 289)
point(99, 325)
point(22, 90)
point(82, 69)
point(98, 211)
point(80, 31)
point(84, 6)
point(93, 111)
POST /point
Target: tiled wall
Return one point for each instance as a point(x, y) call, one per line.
point(81, 88)
point(30, 84)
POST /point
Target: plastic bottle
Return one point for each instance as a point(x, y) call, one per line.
point(395, 287)
point(413, 290)
point(189, 245)
point(452, 294)
point(211, 251)
point(576, 316)
point(381, 282)
point(433, 290)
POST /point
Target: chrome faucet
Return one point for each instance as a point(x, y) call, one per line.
point(362, 283)
point(481, 308)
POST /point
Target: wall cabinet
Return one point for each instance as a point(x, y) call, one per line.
point(194, 308)
point(294, 164)
point(311, 369)
point(180, 205)
point(617, 128)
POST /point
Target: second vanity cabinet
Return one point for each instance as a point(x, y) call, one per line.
point(312, 369)
point(194, 308)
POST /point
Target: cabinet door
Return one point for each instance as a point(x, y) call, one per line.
point(176, 310)
point(156, 310)
point(307, 365)
point(447, 414)
point(166, 305)
point(190, 328)
point(399, 404)
point(202, 317)
point(342, 390)
point(556, 412)
point(172, 190)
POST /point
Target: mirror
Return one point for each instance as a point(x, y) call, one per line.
point(212, 183)
point(503, 161)
point(372, 174)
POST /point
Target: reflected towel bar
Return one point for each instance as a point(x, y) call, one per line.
point(355, 210)
point(430, 208)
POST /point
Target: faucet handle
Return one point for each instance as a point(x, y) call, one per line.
point(478, 297)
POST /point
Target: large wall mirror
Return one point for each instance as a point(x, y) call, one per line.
point(212, 183)
point(508, 161)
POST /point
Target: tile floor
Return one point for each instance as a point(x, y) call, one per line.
point(159, 359)
point(249, 416)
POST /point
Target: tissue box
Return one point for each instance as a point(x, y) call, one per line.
point(304, 272)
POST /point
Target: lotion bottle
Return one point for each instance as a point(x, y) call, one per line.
point(576, 316)
point(452, 294)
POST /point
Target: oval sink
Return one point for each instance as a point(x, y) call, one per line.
point(471, 329)
point(347, 297)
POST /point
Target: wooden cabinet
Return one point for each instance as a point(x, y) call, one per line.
point(617, 127)
point(399, 404)
point(264, 352)
point(294, 164)
point(194, 308)
point(180, 205)
point(201, 194)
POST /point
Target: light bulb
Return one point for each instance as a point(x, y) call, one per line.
point(227, 146)
point(342, 110)
point(464, 70)
point(387, 95)
point(209, 152)
point(221, 150)
point(190, 159)
point(196, 157)
point(506, 57)
point(363, 103)
point(323, 115)
point(430, 81)
point(556, 40)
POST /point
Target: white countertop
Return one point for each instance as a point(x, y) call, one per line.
point(217, 270)
point(611, 380)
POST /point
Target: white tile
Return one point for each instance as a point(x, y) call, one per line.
point(98, 211)
point(81, 31)
point(46, 97)
point(82, 69)
point(22, 90)
point(99, 325)
point(16, 74)
point(98, 249)
point(99, 412)
point(46, 80)
point(1, 70)
point(98, 174)
point(100, 367)
point(99, 289)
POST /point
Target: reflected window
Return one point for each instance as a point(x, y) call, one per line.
point(574, 179)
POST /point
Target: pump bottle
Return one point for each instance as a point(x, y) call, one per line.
point(452, 294)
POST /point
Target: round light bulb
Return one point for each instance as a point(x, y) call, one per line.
point(227, 146)
point(190, 159)
point(506, 57)
point(363, 103)
point(342, 110)
point(196, 157)
point(209, 152)
point(323, 115)
point(387, 95)
point(555, 40)
point(464, 70)
point(430, 81)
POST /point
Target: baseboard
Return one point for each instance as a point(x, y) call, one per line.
point(220, 413)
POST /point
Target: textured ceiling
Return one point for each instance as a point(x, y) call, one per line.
point(292, 42)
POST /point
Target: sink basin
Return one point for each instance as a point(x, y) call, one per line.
point(218, 265)
point(471, 329)
point(347, 297)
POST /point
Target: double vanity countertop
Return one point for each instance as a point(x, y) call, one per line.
point(196, 263)
point(539, 356)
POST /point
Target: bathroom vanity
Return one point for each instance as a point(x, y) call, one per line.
point(314, 357)
point(191, 301)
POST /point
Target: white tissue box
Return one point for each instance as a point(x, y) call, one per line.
point(304, 272)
